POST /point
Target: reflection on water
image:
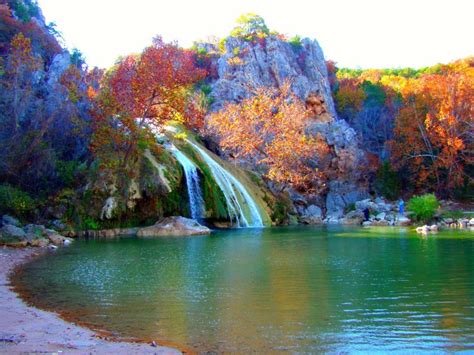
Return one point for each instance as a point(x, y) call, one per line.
point(299, 289)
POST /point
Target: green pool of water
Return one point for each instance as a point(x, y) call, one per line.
point(300, 289)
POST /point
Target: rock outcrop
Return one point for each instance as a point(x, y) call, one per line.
point(245, 65)
point(14, 235)
point(174, 226)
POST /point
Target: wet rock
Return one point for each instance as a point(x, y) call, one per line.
point(174, 226)
point(381, 223)
point(402, 221)
point(39, 242)
point(423, 230)
point(463, 223)
point(56, 238)
point(380, 216)
point(366, 223)
point(471, 222)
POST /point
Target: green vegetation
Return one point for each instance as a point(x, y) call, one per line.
point(250, 26)
point(423, 207)
point(295, 43)
point(25, 9)
point(388, 183)
point(15, 201)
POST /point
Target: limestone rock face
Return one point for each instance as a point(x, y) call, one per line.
point(340, 196)
point(60, 63)
point(174, 226)
point(245, 66)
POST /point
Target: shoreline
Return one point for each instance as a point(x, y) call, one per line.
point(26, 329)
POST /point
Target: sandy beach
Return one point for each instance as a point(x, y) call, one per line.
point(25, 329)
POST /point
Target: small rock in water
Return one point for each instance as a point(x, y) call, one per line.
point(153, 343)
point(52, 247)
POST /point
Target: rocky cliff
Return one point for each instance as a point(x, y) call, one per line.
point(242, 65)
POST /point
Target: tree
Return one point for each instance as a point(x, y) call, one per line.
point(140, 95)
point(250, 26)
point(433, 133)
point(269, 130)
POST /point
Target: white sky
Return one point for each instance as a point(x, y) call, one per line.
point(354, 33)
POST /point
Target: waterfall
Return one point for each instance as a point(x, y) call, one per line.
point(237, 208)
point(196, 202)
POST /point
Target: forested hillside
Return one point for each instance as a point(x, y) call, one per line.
point(90, 147)
point(417, 123)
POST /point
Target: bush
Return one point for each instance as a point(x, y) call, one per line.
point(15, 201)
point(388, 182)
point(295, 43)
point(423, 207)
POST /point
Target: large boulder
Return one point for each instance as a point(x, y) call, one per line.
point(402, 221)
point(6, 219)
point(352, 218)
point(56, 238)
point(174, 226)
point(342, 195)
point(311, 215)
point(14, 236)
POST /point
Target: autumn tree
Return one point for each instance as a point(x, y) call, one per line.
point(140, 95)
point(433, 134)
point(268, 129)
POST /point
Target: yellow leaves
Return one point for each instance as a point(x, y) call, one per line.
point(181, 135)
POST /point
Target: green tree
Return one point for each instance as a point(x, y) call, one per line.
point(249, 26)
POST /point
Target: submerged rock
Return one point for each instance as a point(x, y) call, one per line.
point(174, 226)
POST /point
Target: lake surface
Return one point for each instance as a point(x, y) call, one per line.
point(295, 289)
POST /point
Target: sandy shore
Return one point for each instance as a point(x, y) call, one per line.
point(24, 329)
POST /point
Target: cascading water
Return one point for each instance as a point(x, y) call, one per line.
point(196, 202)
point(232, 190)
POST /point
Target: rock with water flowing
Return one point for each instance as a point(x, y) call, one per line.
point(196, 201)
point(241, 207)
point(174, 226)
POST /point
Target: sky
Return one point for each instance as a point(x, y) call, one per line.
point(353, 33)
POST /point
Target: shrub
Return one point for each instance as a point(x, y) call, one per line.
point(295, 43)
point(388, 182)
point(15, 201)
point(423, 207)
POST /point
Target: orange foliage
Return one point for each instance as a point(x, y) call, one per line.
point(434, 130)
point(269, 129)
point(350, 96)
point(151, 87)
point(142, 93)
